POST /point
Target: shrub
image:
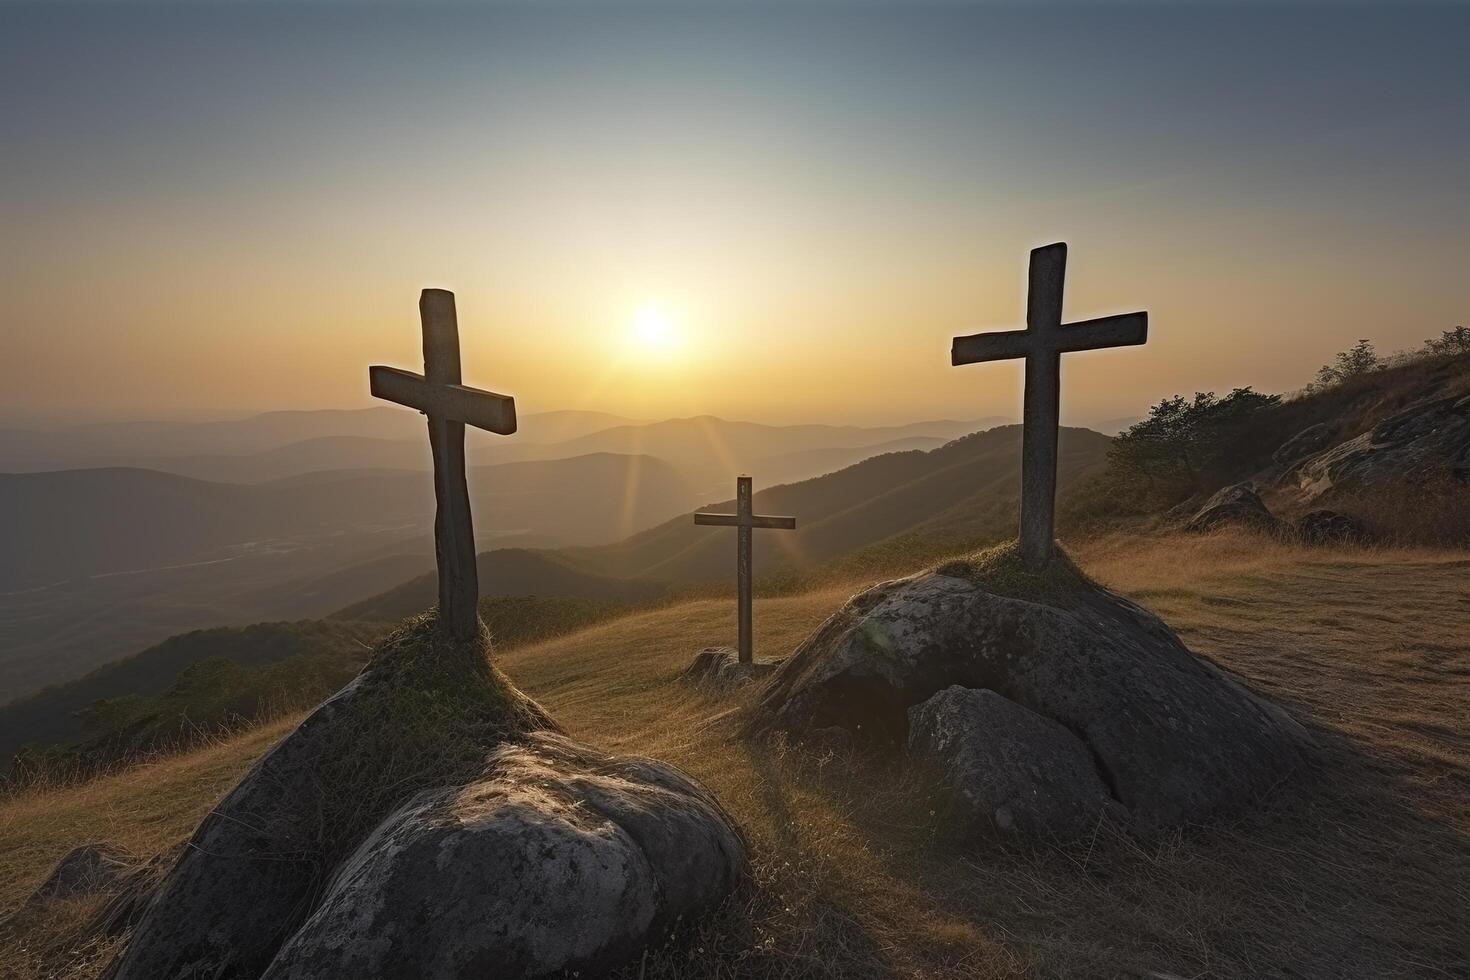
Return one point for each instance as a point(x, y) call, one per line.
point(1356, 361)
point(1176, 450)
point(1456, 341)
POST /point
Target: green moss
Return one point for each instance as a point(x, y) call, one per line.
point(1000, 570)
point(426, 712)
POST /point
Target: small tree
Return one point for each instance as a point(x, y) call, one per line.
point(1357, 360)
point(1456, 341)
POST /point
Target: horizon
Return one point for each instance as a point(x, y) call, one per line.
point(667, 212)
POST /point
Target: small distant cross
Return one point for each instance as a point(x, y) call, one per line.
point(450, 406)
point(744, 520)
point(1042, 343)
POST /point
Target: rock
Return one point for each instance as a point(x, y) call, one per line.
point(1430, 438)
point(1237, 504)
point(1010, 768)
point(1174, 738)
point(721, 667)
point(1313, 438)
point(1328, 527)
point(85, 870)
point(411, 805)
point(559, 861)
point(423, 713)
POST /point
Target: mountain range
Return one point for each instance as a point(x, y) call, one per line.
point(295, 514)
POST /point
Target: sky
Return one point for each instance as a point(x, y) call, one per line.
point(771, 212)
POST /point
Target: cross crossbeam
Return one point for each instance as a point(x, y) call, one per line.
point(744, 519)
point(1042, 343)
point(450, 406)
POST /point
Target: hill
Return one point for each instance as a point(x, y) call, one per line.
point(77, 523)
point(709, 451)
point(1355, 874)
point(101, 563)
point(1387, 444)
point(168, 445)
point(54, 715)
point(963, 494)
point(199, 685)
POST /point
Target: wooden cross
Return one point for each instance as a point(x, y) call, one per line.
point(744, 520)
point(450, 406)
point(1042, 343)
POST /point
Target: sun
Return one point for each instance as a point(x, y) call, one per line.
point(654, 331)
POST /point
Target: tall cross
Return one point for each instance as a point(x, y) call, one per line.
point(1042, 343)
point(744, 520)
point(450, 406)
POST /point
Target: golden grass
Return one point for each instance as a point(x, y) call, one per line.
point(1359, 871)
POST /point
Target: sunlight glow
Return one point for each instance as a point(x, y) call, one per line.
point(654, 331)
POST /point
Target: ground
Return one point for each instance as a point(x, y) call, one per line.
point(1360, 872)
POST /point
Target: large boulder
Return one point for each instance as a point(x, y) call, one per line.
point(428, 715)
point(1173, 737)
point(1238, 504)
point(560, 859)
point(1011, 769)
point(1428, 439)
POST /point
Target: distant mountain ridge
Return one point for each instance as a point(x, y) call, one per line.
point(965, 491)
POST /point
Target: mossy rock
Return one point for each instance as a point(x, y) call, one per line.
point(425, 712)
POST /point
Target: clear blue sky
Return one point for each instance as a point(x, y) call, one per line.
point(220, 206)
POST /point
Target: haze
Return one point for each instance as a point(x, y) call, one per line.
point(221, 209)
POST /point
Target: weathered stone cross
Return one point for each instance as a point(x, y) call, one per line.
point(744, 520)
point(450, 406)
point(1042, 343)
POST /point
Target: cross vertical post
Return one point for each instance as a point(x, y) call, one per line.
point(1042, 343)
point(454, 532)
point(1042, 406)
point(742, 569)
point(449, 406)
point(744, 520)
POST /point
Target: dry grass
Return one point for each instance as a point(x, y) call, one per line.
point(1360, 871)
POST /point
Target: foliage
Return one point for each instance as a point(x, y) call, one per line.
point(1356, 361)
point(1174, 452)
point(1456, 341)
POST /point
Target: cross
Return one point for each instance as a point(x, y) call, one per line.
point(1042, 343)
point(450, 406)
point(744, 520)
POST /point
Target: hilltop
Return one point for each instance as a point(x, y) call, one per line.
point(1352, 874)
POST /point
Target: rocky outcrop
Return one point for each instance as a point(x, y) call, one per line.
point(559, 859)
point(1313, 438)
point(420, 743)
point(721, 667)
point(1011, 769)
point(1239, 505)
point(1328, 527)
point(1428, 439)
point(1173, 737)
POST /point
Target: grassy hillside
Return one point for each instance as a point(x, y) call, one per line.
point(55, 714)
point(900, 507)
point(1180, 459)
point(1357, 871)
point(203, 684)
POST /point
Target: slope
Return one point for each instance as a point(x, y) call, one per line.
point(959, 495)
point(1354, 874)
